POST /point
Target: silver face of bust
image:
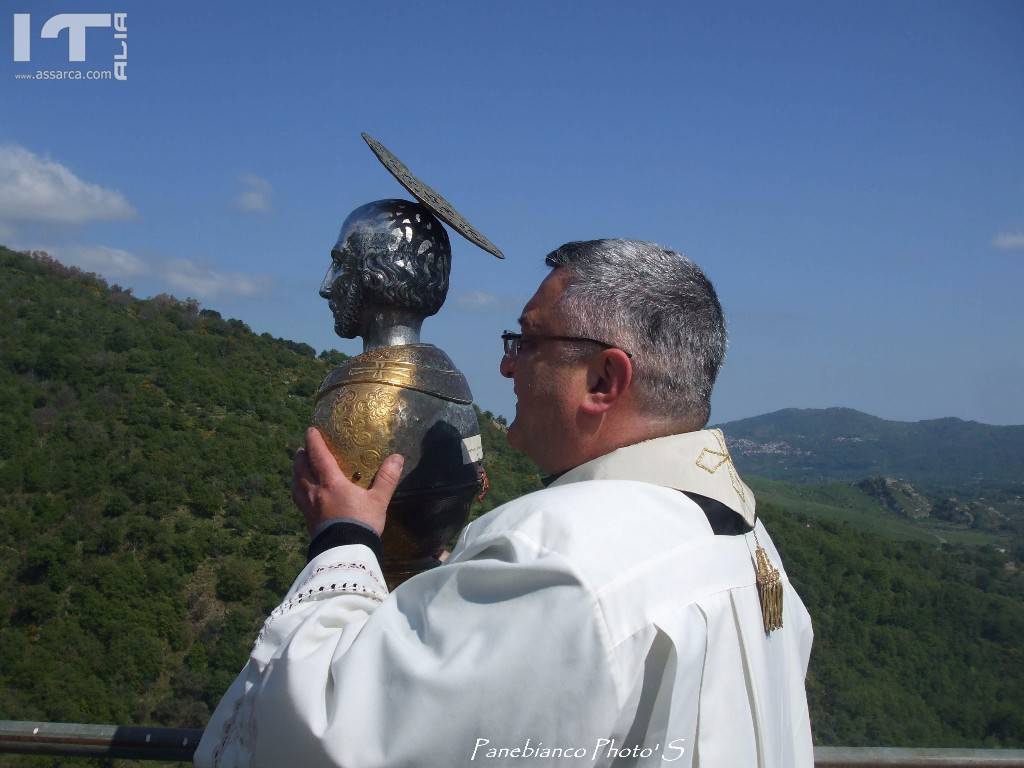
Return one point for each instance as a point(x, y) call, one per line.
point(390, 254)
point(342, 287)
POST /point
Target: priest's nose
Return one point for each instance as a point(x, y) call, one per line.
point(507, 366)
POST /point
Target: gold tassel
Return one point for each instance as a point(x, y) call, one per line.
point(769, 590)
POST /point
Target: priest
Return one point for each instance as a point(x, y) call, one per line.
point(634, 612)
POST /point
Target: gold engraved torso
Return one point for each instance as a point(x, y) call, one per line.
point(407, 399)
point(357, 421)
point(420, 367)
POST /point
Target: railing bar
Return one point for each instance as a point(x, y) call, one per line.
point(91, 740)
point(914, 757)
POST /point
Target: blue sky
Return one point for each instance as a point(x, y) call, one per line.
point(851, 176)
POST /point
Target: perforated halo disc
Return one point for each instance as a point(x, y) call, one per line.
point(437, 204)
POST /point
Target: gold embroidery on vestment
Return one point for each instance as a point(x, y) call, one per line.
point(720, 458)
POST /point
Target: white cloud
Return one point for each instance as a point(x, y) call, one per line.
point(1009, 241)
point(205, 283)
point(34, 188)
point(255, 197)
point(478, 301)
point(108, 262)
point(184, 277)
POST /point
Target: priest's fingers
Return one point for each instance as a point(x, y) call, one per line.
point(300, 466)
point(302, 479)
point(387, 477)
point(321, 461)
point(322, 491)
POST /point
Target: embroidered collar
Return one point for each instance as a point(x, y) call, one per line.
point(698, 462)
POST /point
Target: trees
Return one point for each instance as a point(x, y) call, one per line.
point(128, 431)
point(147, 531)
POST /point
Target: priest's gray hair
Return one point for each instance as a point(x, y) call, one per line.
point(657, 305)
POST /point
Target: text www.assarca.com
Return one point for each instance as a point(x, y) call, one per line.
point(66, 74)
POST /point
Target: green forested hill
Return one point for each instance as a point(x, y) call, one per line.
point(913, 645)
point(144, 476)
point(146, 531)
point(145, 465)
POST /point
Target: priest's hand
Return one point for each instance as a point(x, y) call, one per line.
point(321, 490)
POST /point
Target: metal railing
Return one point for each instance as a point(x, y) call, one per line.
point(86, 740)
point(913, 757)
point(179, 744)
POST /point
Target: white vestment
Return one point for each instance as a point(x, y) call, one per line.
point(596, 622)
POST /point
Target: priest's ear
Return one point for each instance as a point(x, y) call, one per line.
point(609, 376)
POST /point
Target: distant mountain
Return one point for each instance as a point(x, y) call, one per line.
point(817, 445)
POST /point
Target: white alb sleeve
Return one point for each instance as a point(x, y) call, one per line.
point(503, 647)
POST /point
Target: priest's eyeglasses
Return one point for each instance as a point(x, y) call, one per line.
point(514, 342)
